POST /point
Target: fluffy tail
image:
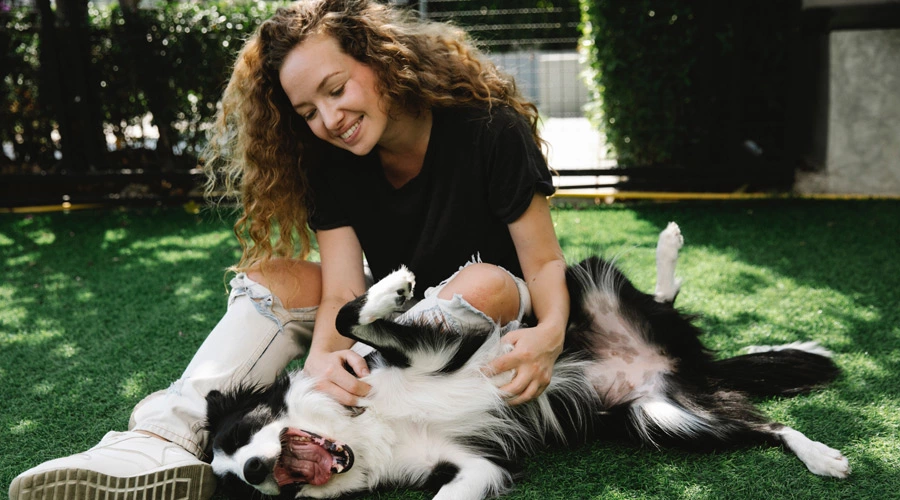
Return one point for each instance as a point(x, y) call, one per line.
point(777, 371)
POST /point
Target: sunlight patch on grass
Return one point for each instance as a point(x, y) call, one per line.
point(23, 427)
point(22, 259)
point(5, 240)
point(199, 317)
point(192, 242)
point(134, 386)
point(66, 350)
point(42, 237)
point(43, 388)
point(12, 318)
point(177, 256)
point(29, 338)
point(175, 249)
point(195, 289)
point(113, 236)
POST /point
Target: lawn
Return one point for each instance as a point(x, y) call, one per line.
point(103, 307)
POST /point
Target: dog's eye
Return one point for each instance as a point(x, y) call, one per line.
point(235, 437)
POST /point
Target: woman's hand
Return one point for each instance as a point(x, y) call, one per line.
point(332, 370)
point(533, 355)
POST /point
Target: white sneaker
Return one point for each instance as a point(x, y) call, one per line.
point(123, 466)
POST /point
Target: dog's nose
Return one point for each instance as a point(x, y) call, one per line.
point(256, 470)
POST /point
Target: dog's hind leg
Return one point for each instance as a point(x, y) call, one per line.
point(726, 419)
point(819, 458)
point(670, 242)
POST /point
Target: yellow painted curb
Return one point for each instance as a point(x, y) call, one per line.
point(669, 196)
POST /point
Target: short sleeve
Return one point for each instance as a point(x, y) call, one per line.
point(517, 168)
point(326, 212)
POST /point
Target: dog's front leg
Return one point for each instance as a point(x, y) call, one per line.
point(477, 478)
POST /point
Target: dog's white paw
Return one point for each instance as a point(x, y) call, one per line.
point(388, 296)
point(670, 242)
point(819, 458)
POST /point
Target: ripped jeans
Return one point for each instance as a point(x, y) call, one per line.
point(253, 344)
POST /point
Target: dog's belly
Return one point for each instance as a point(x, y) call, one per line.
point(626, 367)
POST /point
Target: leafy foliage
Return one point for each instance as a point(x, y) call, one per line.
point(186, 48)
point(687, 83)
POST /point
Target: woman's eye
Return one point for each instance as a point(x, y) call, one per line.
point(309, 115)
point(338, 91)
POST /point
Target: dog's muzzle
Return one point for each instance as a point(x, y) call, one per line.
point(307, 458)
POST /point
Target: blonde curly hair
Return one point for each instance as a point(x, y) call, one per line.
point(260, 148)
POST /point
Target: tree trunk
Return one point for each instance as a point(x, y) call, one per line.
point(157, 93)
point(67, 83)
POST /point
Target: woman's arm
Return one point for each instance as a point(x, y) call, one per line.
point(535, 349)
point(343, 280)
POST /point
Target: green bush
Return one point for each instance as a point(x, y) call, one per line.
point(179, 52)
point(679, 82)
point(23, 122)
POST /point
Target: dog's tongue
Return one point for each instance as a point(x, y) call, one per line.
point(307, 458)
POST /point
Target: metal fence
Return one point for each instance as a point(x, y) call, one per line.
point(538, 46)
point(535, 44)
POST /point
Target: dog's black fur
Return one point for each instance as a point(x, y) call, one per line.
point(633, 367)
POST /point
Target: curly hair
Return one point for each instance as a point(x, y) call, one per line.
point(260, 149)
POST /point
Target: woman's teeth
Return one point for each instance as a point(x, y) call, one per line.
point(346, 135)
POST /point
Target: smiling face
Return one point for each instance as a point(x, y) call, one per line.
point(336, 94)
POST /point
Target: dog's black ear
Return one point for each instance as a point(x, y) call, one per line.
point(218, 405)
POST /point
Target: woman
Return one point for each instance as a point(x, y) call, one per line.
point(394, 140)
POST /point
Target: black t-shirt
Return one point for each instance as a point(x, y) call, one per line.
point(480, 173)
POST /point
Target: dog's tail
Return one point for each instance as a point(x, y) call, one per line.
point(778, 370)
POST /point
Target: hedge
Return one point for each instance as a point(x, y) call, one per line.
point(186, 52)
point(688, 83)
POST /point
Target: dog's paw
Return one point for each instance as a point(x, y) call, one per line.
point(828, 462)
point(388, 296)
point(670, 242)
point(819, 458)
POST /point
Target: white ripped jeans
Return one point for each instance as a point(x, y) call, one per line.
point(253, 344)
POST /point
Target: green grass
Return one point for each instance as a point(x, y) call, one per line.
point(101, 308)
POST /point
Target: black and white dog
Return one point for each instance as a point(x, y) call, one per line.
point(632, 368)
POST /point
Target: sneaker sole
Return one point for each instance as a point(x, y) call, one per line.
point(192, 482)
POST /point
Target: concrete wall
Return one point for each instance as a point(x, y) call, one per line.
point(863, 146)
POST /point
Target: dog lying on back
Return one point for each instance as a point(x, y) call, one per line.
point(632, 368)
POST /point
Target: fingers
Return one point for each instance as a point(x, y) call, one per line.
point(501, 364)
point(357, 364)
point(508, 361)
point(524, 387)
point(533, 390)
point(529, 380)
point(334, 373)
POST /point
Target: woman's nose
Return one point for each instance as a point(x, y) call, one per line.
point(332, 117)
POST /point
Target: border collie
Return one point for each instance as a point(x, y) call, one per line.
point(632, 368)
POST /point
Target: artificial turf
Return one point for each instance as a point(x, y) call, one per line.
point(100, 308)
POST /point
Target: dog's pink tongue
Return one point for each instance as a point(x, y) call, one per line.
point(307, 463)
point(302, 461)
